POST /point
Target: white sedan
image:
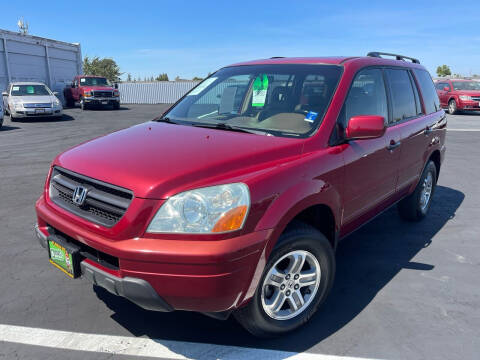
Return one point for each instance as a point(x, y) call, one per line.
point(29, 99)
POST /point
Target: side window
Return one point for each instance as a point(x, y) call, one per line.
point(429, 95)
point(367, 96)
point(403, 98)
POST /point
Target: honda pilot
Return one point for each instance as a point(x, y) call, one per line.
point(234, 200)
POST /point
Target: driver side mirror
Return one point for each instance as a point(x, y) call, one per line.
point(4, 93)
point(55, 93)
point(72, 86)
point(446, 88)
point(365, 127)
point(115, 85)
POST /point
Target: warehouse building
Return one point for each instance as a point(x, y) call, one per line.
point(32, 58)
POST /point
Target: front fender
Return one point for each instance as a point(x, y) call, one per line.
point(292, 202)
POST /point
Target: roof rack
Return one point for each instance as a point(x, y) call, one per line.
point(397, 57)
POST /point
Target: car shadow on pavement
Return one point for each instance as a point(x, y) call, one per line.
point(64, 117)
point(367, 260)
point(8, 128)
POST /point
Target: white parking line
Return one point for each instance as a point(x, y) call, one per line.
point(123, 345)
point(448, 129)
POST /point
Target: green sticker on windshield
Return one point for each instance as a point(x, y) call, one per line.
point(260, 87)
point(30, 90)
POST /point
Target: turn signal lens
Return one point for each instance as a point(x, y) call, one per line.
point(232, 220)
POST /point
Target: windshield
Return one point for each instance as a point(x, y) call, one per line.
point(94, 81)
point(282, 100)
point(466, 85)
point(29, 90)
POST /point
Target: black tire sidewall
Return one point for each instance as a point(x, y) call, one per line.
point(321, 249)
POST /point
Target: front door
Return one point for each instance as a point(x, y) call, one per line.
point(370, 165)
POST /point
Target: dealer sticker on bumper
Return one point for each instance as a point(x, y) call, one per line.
point(61, 258)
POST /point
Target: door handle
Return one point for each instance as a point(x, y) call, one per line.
point(393, 145)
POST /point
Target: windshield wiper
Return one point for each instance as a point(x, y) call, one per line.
point(165, 120)
point(223, 126)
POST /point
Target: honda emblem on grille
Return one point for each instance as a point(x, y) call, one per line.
point(79, 195)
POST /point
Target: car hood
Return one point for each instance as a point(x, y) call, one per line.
point(32, 99)
point(157, 160)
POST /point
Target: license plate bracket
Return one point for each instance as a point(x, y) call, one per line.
point(39, 111)
point(104, 102)
point(64, 255)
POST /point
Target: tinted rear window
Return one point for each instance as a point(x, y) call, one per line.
point(403, 99)
point(430, 97)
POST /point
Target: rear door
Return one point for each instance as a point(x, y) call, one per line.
point(417, 131)
point(370, 165)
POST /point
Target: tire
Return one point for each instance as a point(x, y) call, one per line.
point(1, 122)
point(116, 106)
point(70, 103)
point(452, 107)
point(415, 206)
point(83, 105)
point(297, 241)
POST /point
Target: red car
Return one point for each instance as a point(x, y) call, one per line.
point(89, 90)
point(235, 199)
point(459, 95)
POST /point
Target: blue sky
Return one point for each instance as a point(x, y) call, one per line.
point(192, 38)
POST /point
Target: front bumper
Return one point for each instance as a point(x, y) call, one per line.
point(468, 105)
point(195, 275)
point(136, 290)
point(102, 101)
point(27, 112)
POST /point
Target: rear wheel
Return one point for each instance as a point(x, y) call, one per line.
point(70, 103)
point(296, 280)
point(415, 206)
point(452, 107)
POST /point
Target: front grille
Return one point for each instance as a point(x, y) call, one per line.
point(37, 105)
point(103, 94)
point(476, 98)
point(104, 204)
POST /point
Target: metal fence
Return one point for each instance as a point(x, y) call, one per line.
point(159, 92)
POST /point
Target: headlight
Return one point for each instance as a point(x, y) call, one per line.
point(116, 93)
point(215, 209)
point(56, 102)
point(465, 97)
point(87, 93)
point(18, 105)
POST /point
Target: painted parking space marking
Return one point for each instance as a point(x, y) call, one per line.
point(466, 130)
point(165, 349)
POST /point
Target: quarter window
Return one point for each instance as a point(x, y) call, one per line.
point(403, 98)
point(429, 95)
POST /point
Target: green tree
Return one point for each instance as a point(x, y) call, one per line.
point(443, 70)
point(106, 67)
point(162, 77)
point(196, 78)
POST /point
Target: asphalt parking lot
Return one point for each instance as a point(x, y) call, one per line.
point(402, 291)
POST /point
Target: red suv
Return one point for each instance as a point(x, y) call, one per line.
point(234, 200)
point(459, 95)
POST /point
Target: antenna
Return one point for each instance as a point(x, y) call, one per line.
point(23, 26)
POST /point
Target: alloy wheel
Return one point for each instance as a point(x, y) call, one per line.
point(290, 285)
point(426, 193)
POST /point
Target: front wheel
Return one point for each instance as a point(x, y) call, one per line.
point(452, 107)
point(295, 282)
point(116, 105)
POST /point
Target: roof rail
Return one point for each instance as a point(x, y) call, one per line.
point(277, 57)
point(397, 57)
